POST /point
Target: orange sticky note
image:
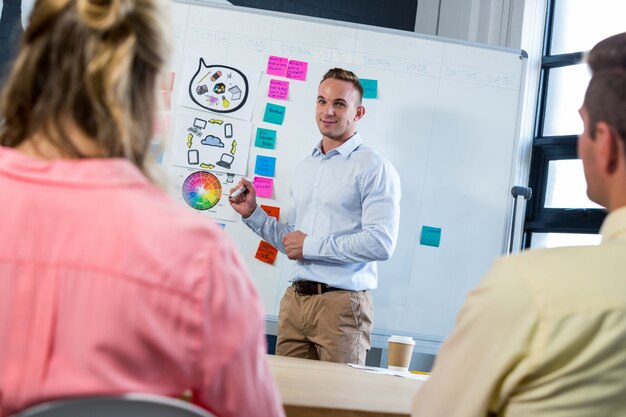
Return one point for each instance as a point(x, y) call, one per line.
point(266, 253)
point(271, 211)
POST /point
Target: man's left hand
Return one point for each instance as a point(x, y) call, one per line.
point(294, 243)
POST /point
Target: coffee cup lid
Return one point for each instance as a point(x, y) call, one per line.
point(407, 340)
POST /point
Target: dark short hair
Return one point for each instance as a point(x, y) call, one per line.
point(605, 101)
point(608, 53)
point(345, 75)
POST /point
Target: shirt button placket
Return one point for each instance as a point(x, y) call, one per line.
point(316, 192)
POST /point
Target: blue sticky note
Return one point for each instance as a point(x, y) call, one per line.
point(431, 236)
point(265, 138)
point(265, 165)
point(370, 88)
point(274, 114)
point(157, 152)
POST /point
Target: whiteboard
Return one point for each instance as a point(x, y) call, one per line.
point(446, 116)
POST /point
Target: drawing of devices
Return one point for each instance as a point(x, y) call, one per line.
point(228, 130)
point(193, 157)
point(235, 92)
point(226, 160)
point(198, 125)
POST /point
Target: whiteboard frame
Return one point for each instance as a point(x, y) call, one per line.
point(425, 342)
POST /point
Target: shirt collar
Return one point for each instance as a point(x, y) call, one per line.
point(345, 149)
point(614, 225)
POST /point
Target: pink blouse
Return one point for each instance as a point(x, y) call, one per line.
point(108, 286)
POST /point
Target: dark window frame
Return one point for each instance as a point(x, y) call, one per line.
point(538, 218)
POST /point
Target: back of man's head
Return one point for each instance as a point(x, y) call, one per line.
point(605, 101)
point(608, 53)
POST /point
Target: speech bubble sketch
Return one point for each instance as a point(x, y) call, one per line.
point(218, 87)
point(209, 89)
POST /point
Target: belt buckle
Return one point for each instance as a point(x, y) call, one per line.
point(299, 287)
point(309, 288)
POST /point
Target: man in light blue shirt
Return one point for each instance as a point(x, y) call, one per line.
point(343, 219)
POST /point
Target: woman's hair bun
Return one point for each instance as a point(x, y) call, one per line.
point(103, 14)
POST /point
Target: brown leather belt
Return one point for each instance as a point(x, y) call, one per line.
point(312, 288)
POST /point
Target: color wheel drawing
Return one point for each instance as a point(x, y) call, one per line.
point(202, 190)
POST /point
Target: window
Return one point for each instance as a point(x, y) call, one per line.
point(555, 240)
point(565, 187)
point(577, 25)
point(559, 213)
point(564, 95)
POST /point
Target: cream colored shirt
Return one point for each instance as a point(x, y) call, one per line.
point(544, 334)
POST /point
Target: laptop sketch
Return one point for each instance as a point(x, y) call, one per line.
point(198, 124)
point(225, 160)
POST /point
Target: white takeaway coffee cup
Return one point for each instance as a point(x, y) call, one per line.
point(399, 353)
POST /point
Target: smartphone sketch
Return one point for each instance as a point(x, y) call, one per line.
point(228, 130)
point(193, 157)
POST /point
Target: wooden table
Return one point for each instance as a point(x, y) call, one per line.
point(313, 388)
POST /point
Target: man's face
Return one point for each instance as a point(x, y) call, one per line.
point(587, 152)
point(337, 109)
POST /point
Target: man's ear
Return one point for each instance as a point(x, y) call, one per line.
point(360, 112)
point(609, 148)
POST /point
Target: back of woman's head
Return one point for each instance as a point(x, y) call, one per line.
point(93, 64)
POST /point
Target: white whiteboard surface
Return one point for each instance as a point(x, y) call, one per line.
point(446, 116)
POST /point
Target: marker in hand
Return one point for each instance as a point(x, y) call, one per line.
point(238, 192)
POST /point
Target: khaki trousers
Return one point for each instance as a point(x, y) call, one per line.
point(334, 326)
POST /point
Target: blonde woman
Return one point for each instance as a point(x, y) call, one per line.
point(106, 285)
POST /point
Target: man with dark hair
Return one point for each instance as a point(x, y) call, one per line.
point(608, 53)
point(343, 218)
point(544, 334)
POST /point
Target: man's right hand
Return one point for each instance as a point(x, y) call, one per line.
point(244, 203)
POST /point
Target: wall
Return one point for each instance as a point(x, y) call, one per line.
point(397, 14)
point(495, 22)
point(510, 23)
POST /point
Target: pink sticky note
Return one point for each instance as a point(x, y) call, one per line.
point(161, 123)
point(278, 89)
point(167, 82)
point(277, 65)
point(263, 186)
point(296, 70)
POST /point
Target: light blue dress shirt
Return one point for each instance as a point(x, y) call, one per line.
point(348, 204)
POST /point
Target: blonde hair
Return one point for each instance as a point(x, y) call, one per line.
point(94, 63)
